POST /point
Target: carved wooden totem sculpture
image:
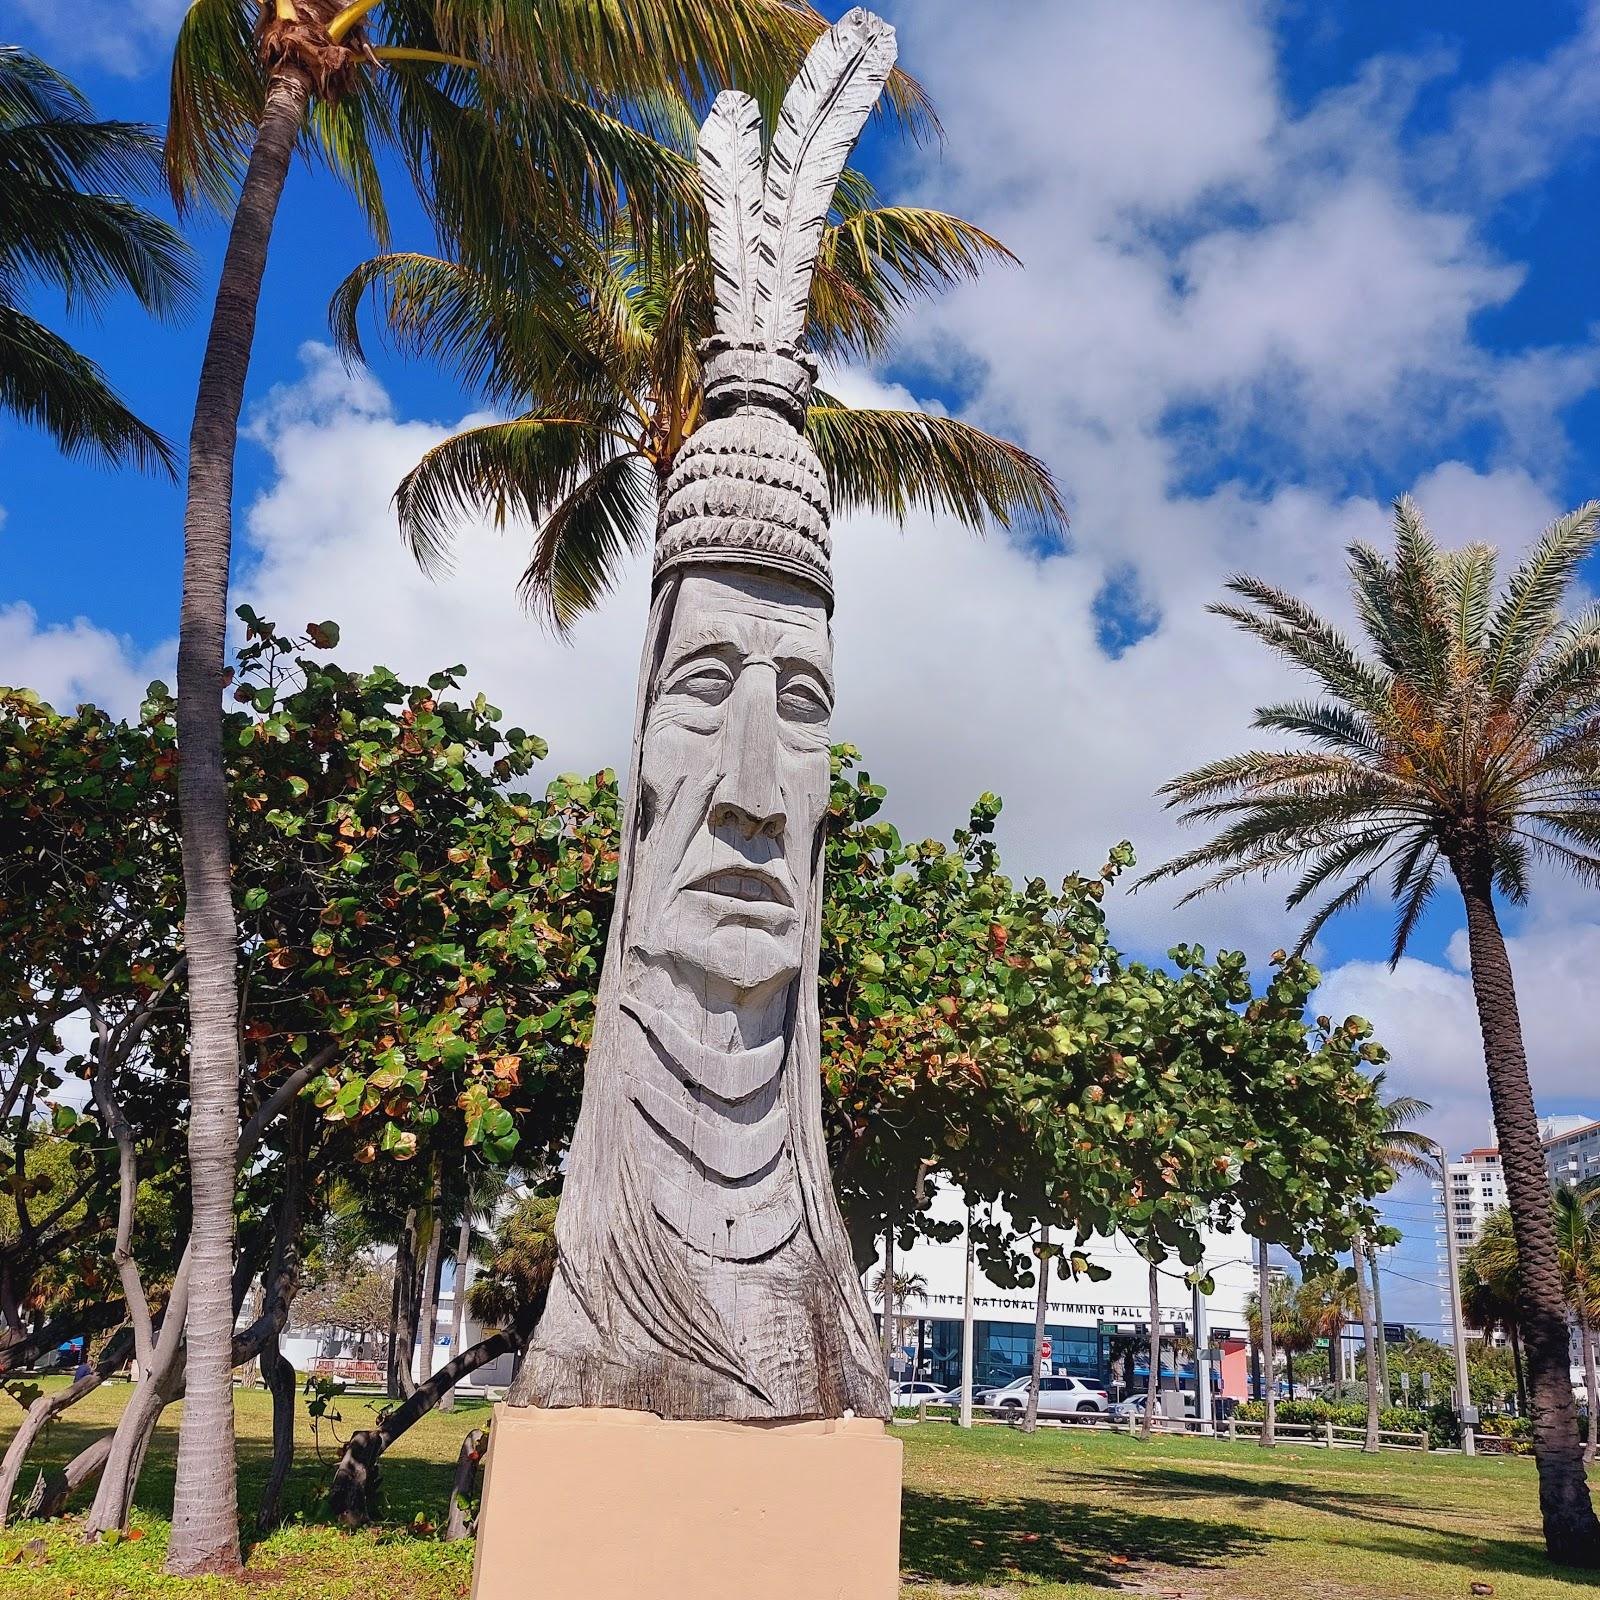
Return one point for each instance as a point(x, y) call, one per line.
point(703, 1267)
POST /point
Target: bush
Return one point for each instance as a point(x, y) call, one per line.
point(1439, 1422)
point(1517, 1432)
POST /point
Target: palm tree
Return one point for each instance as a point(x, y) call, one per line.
point(1578, 1241)
point(608, 389)
point(1402, 1149)
point(1468, 739)
point(519, 127)
point(63, 226)
point(1491, 1290)
point(893, 1289)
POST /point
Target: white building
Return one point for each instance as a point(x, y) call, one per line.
point(1571, 1150)
point(1083, 1318)
point(1477, 1188)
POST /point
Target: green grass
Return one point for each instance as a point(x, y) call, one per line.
point(988, 1514)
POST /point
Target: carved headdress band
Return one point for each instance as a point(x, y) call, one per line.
point(748, 489)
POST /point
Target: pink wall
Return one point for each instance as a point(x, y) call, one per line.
point(1236, 1369)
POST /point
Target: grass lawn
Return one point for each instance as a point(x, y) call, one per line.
point(988, 1515)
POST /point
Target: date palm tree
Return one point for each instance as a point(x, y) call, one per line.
point(517, 126)
point(1491, 1290)
point(66, 226)
point(1466, 740)
point(607, 384)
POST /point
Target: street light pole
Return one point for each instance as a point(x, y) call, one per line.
point(1202, 1364)
point(1458, 1326)
point(966, 1332)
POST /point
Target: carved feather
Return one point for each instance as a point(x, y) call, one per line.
point(730, 177)
point(822, 114)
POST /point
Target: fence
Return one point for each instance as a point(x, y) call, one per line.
point(1321, 1435)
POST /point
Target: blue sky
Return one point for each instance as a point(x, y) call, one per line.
point(1281, 263)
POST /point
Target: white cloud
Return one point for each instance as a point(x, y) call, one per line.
point(69, 663)
point(111, 34)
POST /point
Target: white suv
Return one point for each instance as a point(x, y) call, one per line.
point(1055, 1394)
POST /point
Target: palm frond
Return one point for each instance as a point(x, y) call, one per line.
point(520, 467)
point(216, 97)
point(895, 461)
point(46, 382)
point(1468, 582)
point(608, 515)
point(1530, 609)
point(873, 262)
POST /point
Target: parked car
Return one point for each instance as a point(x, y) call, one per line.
point(1056, 1394)
point(910, 1394)
point(1134, 1406)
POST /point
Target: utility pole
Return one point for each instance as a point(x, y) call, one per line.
point(966, 1331)
point(1464, 1406)
point(1202, 1366)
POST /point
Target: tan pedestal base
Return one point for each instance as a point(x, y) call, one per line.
point(621, 1505)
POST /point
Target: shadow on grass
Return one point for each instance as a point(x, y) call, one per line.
point(1400, 1525)
point(957, 1540)
point(412, 1485)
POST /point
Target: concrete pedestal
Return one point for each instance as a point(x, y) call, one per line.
point(621, 1505)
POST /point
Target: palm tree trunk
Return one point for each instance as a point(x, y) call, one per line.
point(430, 1273)
point(458, 1301)
point(888, 1301)
point(1377, 1317)
point(1571, 1530)
point(1518, 1370)
point(1030, 1419)
point(1269, 1375)
point(1358, 1253)
point(1152, 1385)
point(205, 1520)
point(403, 1320)
point(1591, 1388)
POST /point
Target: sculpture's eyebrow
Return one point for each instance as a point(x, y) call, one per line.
point(784, 646)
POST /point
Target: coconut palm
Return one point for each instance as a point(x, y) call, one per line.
point(518, 126)
point(1465, 740)
point(64, 227)
point(608, 389)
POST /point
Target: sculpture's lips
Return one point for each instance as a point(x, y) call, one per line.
point(745, 883)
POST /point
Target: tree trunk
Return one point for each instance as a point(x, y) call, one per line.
point(403, 1322)
point(430, 1271)
point(1591, 1388)
point(460, 1522)
point(46, 1409)
point(119, 1478)
point(205, 1520)
point(278, 1373)
point(1269, 1366)
point(356, 1479)
point(1152, 1388)
point(50, 1497)
point(1518, 1370)
point(1041, 1306)
point(888, 1301)
point(1358, 1253)
point(1571, 1530)
point(458, 1301)
point(1377, 1317)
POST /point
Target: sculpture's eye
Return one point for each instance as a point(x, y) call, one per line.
point(802, 700)
point(707, 681)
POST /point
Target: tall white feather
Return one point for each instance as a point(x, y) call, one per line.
point(730, 177)
point(822, 114)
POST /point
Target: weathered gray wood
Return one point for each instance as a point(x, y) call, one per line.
point(703, 1269)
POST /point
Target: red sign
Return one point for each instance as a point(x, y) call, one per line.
point(1044, 1348)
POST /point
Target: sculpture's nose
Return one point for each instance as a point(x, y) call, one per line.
point(748, 798)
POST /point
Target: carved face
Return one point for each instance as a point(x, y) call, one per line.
point(734, 779)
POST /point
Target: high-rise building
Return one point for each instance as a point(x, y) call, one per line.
point(1571, 1150)
point(1476, 1188)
